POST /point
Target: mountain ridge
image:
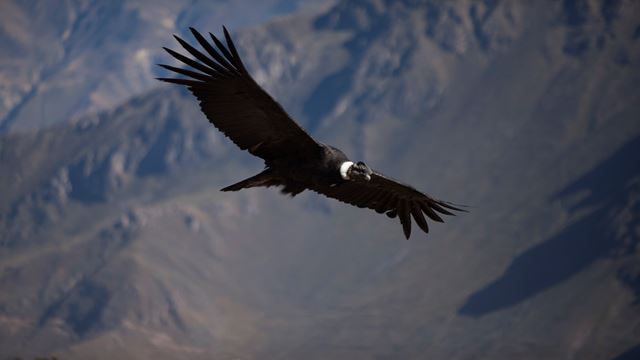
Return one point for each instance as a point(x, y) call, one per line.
point(114, 233)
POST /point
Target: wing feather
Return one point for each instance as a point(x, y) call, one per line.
point(203, 58)
point(236, 105)
point(194, 64)
point(193, 74)
point(234, 53)
point(212, 52)
point(186, 82)
point(430, 213)
point(383, 204)
point(394, 199)
point(419, 217)
point(405, 219)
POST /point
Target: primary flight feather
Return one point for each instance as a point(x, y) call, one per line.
point(237, 106)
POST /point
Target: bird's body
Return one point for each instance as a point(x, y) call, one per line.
point(244, 112)
point(296, 175)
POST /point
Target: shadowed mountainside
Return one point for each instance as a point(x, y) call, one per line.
point(610, 198)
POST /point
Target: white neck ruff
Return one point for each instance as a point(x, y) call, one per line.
point(344, 169)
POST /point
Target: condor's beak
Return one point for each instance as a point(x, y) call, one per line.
point(368, 177)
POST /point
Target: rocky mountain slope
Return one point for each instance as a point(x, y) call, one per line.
point(66, 58)
point(114, 235)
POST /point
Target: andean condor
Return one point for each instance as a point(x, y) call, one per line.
point(236, 105)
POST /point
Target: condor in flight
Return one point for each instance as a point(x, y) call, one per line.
point(236, 105)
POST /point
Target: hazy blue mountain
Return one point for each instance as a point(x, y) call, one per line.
point(117, 243)
point(64, 58)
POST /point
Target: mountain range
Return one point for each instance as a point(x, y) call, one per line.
point(116, 243)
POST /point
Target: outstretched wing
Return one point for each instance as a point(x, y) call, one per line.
point(235, 104)
point(391, 197)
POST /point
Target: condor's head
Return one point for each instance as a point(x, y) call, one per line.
point(355, 171)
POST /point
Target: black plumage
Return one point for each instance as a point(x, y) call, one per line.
point(237, 106)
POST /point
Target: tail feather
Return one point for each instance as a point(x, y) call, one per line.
point(267, 179)
point(264, 178)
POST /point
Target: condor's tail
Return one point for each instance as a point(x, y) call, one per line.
point(264, 178)
point(267, 179)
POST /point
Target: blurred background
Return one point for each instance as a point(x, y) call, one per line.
point(116, 243)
